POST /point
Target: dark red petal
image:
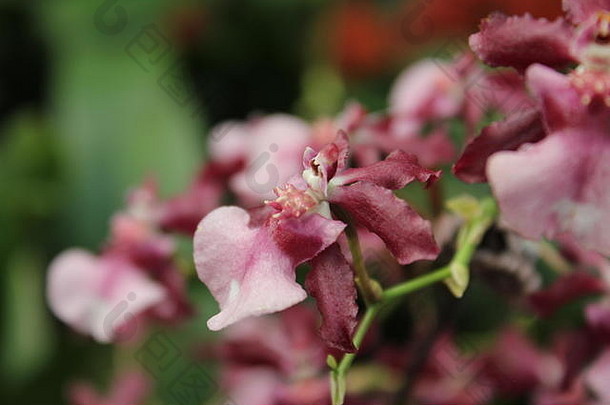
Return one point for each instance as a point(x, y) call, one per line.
point(331, 283)
point(521, 41)
point(569, 287)
point(406, 234)
point(517, 129)
point(580, 10)
point(395, 172)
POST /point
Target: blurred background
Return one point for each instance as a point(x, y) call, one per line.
point(95, 95)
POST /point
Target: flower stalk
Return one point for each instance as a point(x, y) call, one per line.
point(469, 237)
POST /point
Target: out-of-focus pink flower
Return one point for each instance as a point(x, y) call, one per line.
point(269, 148)
point(135, 231)
point(267, 244)
point(133, 279)
point(131, 388)
point(424, 90)
point(275, 360)
point(99, 295)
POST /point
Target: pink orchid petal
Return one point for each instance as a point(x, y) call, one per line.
point(406, 234)
point(510, 134)
point(98, 295)
point(395, 172)
point(331, 283)
point(521, 41)
point(580, 10)
point(559, 185)
point(250, 270)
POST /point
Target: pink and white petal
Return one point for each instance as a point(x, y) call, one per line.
point(597, 376)
point(97, 296)
point(406, 234)
point(242, 266)
point(580, 10)
point(394, 172)
point(331, 282)
point(522, 41)
point(250, 270)
point(561, 185)
point(516, 130)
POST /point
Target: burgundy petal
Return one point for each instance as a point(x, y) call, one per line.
point(569, 287)
point(406, 234)
point(331, 283)
point(580, 10)
point(521, 41)
point(395, 172)
point(517, 129)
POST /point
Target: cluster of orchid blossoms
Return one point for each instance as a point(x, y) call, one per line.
point(328, 221)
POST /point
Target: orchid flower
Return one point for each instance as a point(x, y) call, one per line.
point(248, 259)
point(548, 165)
point(132, 279)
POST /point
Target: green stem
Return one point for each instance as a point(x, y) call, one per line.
point(468, 239)
point(337, 376)
point(415, 284)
